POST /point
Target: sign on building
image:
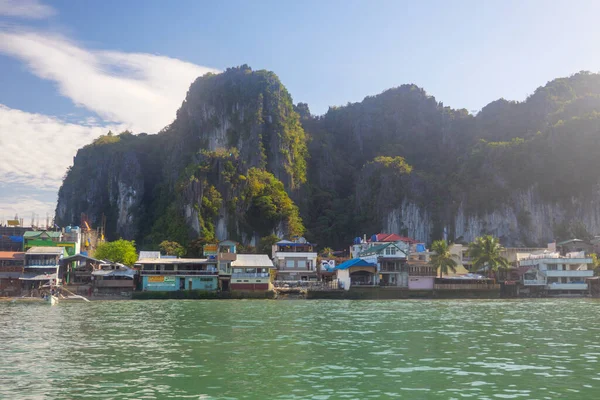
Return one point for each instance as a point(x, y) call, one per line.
point(210, 250)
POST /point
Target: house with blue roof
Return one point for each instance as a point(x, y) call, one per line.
point(356, 272)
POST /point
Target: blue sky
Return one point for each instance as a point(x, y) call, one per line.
point(70, 70)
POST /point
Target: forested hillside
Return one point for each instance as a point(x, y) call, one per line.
point(241, 162)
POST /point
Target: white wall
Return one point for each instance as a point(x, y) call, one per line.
point(343, 276)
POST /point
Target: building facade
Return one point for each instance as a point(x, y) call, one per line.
point(172, 274)
point(390, 260)
point(11, 268)
point(557, 274)
point(251, 272)
point(295, 261)
point(42, 266)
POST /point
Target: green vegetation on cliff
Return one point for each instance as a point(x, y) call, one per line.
point(241, 161)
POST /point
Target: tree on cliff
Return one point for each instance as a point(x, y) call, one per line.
point(121, 251)
point(485, 252)
point(442, 259)
point(172, 248)
point(266, 243)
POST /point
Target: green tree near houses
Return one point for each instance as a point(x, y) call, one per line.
point(485, 253)
point(172, 248)
point(326, 252)
point(121, 251)
point(442, 259)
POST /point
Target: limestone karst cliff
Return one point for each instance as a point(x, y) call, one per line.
point(240, 161)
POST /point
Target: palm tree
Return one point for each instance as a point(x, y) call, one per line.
point(485, 252)
point(442, 258)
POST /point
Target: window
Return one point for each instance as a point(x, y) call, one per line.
point(302, 264)
point(290, 264)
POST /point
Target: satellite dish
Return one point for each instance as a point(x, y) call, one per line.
point(301, 240)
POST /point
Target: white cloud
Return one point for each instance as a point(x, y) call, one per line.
point(32, 9)
point(37, 149)
point(27, 207)
point(140, 90)
point(135, 91)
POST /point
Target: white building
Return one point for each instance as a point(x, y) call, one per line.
point(390, 259)
point(295, 261)
point(557, 274)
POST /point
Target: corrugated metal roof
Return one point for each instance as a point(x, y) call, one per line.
point(153, 255)
point(355, 262)
point(46, 250)
point(176, 261)
point(391, 237)
point(12, 255)
point(253, 260)
point(569, 241)
point(81, 257)
point(31, 234)
point(129, 273)
point(28, 276)
point(377, 249)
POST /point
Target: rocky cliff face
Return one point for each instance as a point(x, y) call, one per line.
point(109, 183)
point(194, 178)
point(237, 154)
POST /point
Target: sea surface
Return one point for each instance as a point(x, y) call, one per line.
point(265, 349)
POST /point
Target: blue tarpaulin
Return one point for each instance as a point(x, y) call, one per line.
point(420, 248)
point(18, 239)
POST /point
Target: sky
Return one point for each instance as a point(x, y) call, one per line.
point(72, 70)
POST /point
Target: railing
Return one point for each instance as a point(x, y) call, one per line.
point(534, 282)
point(178, 272)
point(243, 275)
point(567, 286)
point(467, 286)
point(32, 263)
point(571, 273)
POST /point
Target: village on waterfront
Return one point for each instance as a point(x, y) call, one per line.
point(35, 261)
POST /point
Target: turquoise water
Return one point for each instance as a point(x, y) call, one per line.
point(532, 349)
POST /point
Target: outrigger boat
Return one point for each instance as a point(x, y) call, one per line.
point(53, 300)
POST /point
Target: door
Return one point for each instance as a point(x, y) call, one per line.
point(190, 284)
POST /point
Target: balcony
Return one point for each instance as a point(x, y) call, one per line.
point(534, 282)
point(567, 286)
point(34, 263)
point(149, 273)
point(570, 273)
point(227, 256)
point(250, 275)
point(280, 255)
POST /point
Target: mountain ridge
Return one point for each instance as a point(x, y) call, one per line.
point(399, 161)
